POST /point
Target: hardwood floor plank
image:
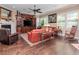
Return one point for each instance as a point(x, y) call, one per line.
point(56, 46)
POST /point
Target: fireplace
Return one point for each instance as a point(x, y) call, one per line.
point(7, 27)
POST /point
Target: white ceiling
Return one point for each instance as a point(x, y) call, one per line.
point(24, 8)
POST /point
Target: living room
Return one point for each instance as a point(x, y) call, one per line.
point(34, 29)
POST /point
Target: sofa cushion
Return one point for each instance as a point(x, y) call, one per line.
point(37, 30)
point(36, 37)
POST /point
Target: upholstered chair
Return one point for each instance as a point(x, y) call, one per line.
point(72, 33)
point(7, 38)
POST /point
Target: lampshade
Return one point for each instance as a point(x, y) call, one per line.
point(46, 25)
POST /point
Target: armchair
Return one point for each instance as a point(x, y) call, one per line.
point(6, 38)
point(35, 35)
point(72, 33)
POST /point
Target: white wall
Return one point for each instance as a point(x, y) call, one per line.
point(37, 21)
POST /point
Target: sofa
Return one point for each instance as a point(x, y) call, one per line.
point(38, 35)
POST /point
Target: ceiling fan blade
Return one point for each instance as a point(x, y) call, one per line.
point(30, 9)
point(39, 11)
point(35, 10)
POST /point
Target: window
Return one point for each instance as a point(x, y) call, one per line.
point(43, 21)
point(61, 22)
point(72, 19)
point(65, 22)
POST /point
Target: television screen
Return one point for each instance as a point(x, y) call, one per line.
point(27, 22)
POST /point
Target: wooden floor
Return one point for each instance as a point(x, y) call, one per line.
point(55, 46)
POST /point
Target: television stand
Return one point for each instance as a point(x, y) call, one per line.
point(25, 29)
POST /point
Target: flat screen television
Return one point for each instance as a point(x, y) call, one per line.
point(27, 22)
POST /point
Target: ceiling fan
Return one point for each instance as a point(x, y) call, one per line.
point(35, 10)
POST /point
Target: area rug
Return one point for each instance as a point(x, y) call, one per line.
point(25, 37)
point(76, 46)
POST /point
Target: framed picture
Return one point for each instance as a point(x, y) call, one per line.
point(52, 18)
point(5, 13)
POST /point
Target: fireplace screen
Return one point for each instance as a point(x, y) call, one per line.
point(7, 27)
